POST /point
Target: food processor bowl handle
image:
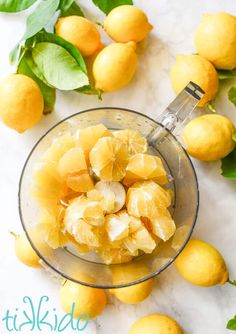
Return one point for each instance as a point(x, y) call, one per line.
point(176, 113)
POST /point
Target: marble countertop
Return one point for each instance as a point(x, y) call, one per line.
point(198, 310)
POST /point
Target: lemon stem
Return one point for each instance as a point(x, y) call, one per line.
point(14, 234)
point(232, 282)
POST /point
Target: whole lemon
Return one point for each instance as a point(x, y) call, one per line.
point(87, 300)
point(22, 102)
point(24, 251)
point(215, 39)
point(197, 69)
point(156, 324)
point(127, 23)
point(201, 264)
point(80, 32)
point(131, 272)
point(209, 137)
point(115, 66)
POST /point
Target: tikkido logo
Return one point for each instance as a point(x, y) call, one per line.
point(38, 317)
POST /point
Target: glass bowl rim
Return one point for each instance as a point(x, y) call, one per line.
point(117, 286)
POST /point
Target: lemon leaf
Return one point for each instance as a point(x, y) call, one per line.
point(232, 94)
point(107, 5)
point(59, 68)
point(69, 8)
point(231, 324)
point(44, 36)
point(49, 94)
point(228, 166)
point(226, 74)
point(13, 6)
point(40, 17)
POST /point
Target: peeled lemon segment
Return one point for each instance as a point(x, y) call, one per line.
point(180, 237)
point(113, 192)
point(140, 240)
point(163, 227)
point(145, 167)
point(47, 184)
point(50, 226)
point(80, 183)
point(73, 161)
point(107, 202)
point(86, 138)
point(58, 148)
point(116, 227)
point(86, 209)
point(135, 141)
point(84, 234)
point(114, 255)
point(109, 158)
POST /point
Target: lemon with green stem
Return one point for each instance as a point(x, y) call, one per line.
point(201, 264)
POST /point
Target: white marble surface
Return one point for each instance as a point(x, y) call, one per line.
point(199, 310)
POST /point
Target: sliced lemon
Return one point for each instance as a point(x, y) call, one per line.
point(109, 158)
point(73, 161)
point(106, 200)
point(145, 167)
point(51, 227)
point(58, 147)
point(135, 141)
point(116, 227)
point(114, 255)
point(80, 183)
point(112, 191)
point(86, 138)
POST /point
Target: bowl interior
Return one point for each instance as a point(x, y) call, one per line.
point(67, 261)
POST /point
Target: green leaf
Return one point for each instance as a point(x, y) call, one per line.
point(107, 5)
point(232, 324)
point(211, 107)
point(13, 6)
point(234, 136)
point(89, 90)
point(232, 282)
point(40, 17)
point(44, 36)
point(226, 74)
point(70, 7)
point(228, 166)
point(59, 68)
point(49, 94)
point(232, 94)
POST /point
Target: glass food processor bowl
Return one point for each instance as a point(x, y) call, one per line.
point(67, 261)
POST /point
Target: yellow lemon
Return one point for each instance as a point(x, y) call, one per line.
point(21, 102)
point(115, 66)
point(127, 23)
point(25, 252)
point(197, 69)
point(209, 137)
point(87, 300)
point(156, 324)
point(132, 294)
point(80, 32)
point(201, 264)
point(215, 39)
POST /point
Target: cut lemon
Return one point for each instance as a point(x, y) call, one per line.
point(86, 138)
point(116, 227)
point(145, 167)
point(140, 240)
point(80, 183)
point(114, 255)
point(107, 201)
point(163, 226)
point(135, 141)
point(51, 227)
point(109, 158)
point(59, 146)
point(73, 161)
point(112, 192)
point(47, 184)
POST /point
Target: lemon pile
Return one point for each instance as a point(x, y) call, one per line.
point(105, 192)
point(113, 66)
